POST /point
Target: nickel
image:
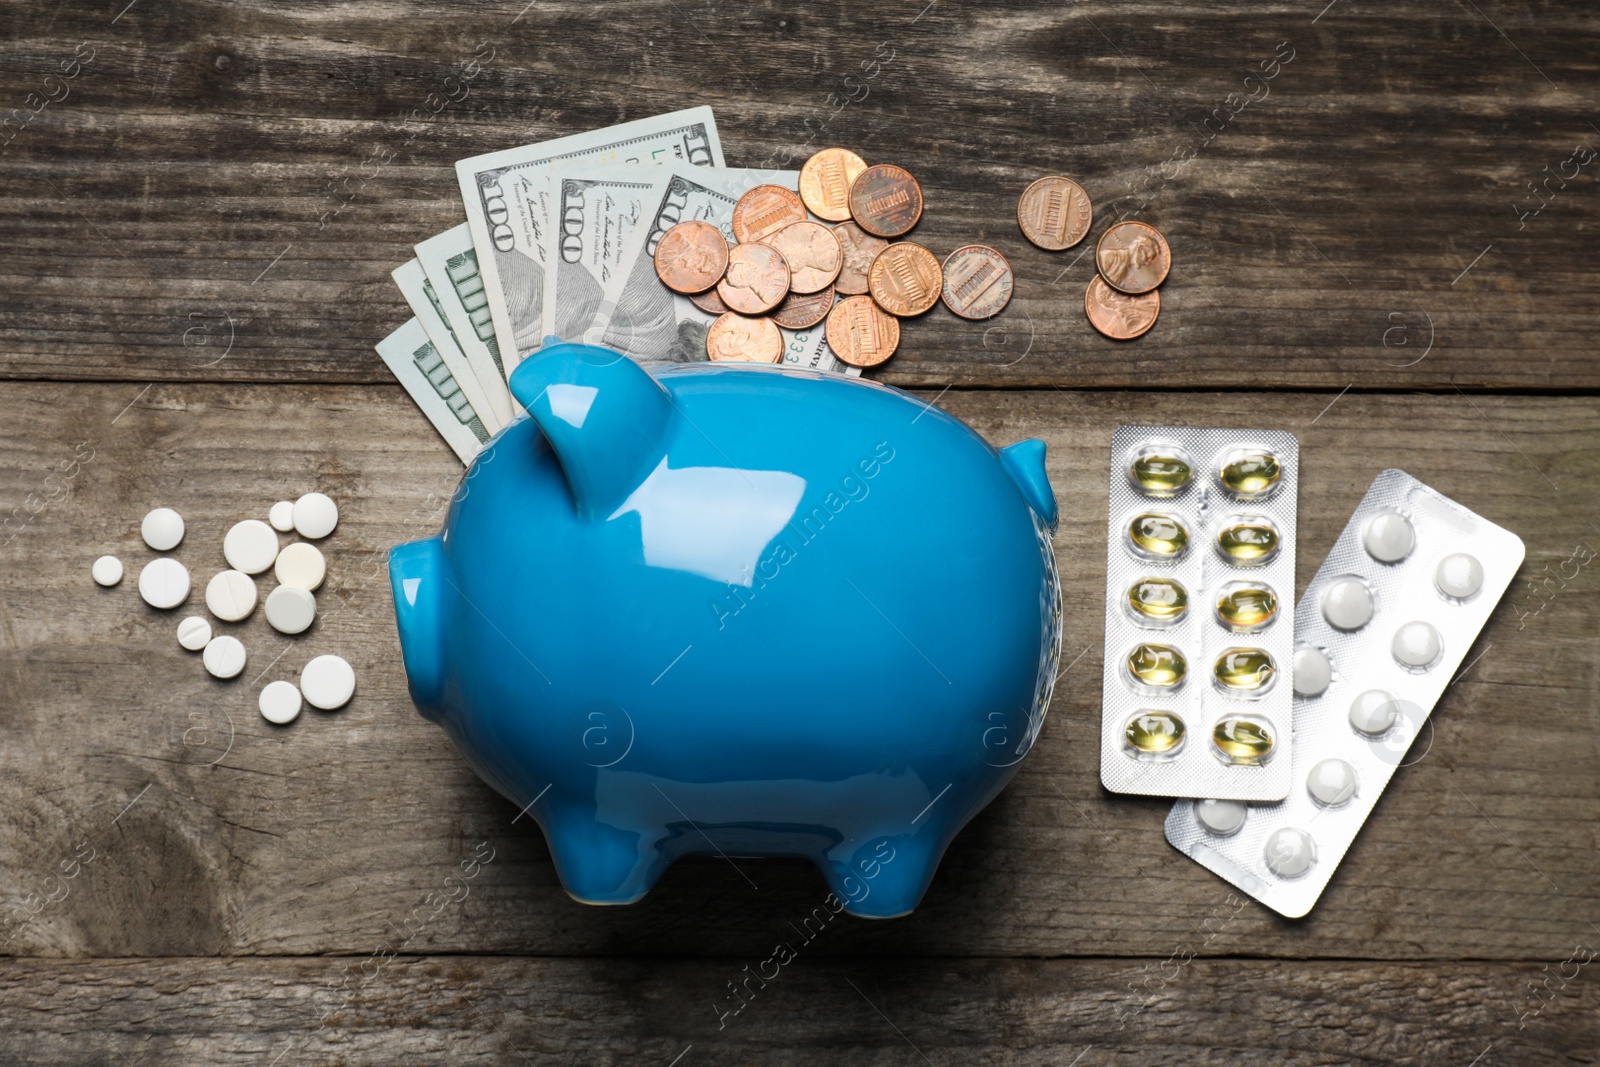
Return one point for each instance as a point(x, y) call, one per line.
point(825, 182)
point(1117, 315)
point(812, 253)
point(860, 334)
point(801, 311)
point(1133, 257)
point(860, 248)
point(741, 339)
point(691, 256)
point(905, 279)
point(757, 279)
point(885, 200)
point(1054, 213)
point(977, 282)
point(763, 211)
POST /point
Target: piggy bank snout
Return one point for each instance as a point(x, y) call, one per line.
point(419, 581)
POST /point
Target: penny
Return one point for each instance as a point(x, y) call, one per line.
point(800, 311)
point(1117, 315)
point(709, 301)
point(765, 210)
point(812, 252)
point(756, 281)
point(977, 282)
point(905, 279)
point(1054, 213)
point(825, 182)
point(737, 338)
point(885, 200)
point(1133, 257)
point(860, 248)
point(860, 333)
point(691, 257)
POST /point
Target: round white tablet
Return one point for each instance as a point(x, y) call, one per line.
point(250, 546)
point(1331, 782)
point(315, 516)
point(290, 610)
point(224, 657)
point(162, 529)
point(1312, 671)
point(107, 570)
point(1289, 852)
point(164, 583)
point(1347, 604)
point(194, 633)
point(1373, 712)
point(1416, 644)
point(1220, 817)
point(1389, 537)
point(327, 682)
point(280, 702)
point(231, 595)
point(282, 516)
point(1459, 575)
point(301, 566)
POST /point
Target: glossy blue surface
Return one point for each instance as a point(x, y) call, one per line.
point(737, 609)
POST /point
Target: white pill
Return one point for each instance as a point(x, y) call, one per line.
point(282, 516)
point(231, 595)
point(194, 633)
point(327, 682)
point(1289, 852)
point(315, 516)
point(164, 583)
point(1221, 817)
point(250, 546)
point(1373, 712)
point(1347, 604)
point(290, 610)
point(1331, 782)
point(279, 702)
point(1312, 671)
point(1389, 537)
point(224, 657)
point(107, 570)
point(162, 529)
point(1416, 644)
point(1459, 575)
point(301, 566)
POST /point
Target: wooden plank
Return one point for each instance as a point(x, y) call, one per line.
point(215, 833)
point(207, 185)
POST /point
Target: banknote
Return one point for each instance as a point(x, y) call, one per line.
point(451, 264)
point(593, 212)
point(414, 360)
point(506, 195)
point(424, 301)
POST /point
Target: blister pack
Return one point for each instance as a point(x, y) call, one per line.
point(1379, 634)
point(1199, 577)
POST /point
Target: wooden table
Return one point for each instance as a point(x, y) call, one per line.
point(198, 239)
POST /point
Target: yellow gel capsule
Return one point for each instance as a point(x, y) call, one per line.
point(1245, 669)
point(1158, 535)
point(1160, 472)
point(1160, 666)
point(1248, 541)
point(1246, 606)
point(1243, 740)
point(1153, 733)
point(1251, 473)
point(1158, 599)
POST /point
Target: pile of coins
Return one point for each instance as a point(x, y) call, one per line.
point(1132, 258)
point(790, 270)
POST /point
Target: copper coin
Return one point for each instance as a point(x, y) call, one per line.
point(1133, 257)
point(709, 301)
point(757, 279)
point(741, 339)
point(691, 257)
point(800, 311)
point(812, 252)
point(860, 248)
point(765, 210)
point(1117, 315)
point(885, 200)
point(977, 282)
point(1054, 213)
point(825, 182)
point(860, 333)
point(905, 279)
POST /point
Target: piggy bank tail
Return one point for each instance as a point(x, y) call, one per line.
point(417, 575)
point(1024, 461)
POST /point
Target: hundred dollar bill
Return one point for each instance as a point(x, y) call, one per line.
point(420, 368)
point(506, 195)
point(424, 301)
point(593, 213)
point(451, 264)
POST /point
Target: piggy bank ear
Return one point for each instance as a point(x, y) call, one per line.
point(603, 415)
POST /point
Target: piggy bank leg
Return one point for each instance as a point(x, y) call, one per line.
point(600, 864)
point(887, 876)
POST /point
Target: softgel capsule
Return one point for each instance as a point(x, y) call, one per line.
point(1423, 574)
point(1199, 655)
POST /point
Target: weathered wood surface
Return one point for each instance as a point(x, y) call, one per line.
point(205, 183)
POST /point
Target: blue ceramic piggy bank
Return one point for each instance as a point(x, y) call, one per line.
point(737, 610)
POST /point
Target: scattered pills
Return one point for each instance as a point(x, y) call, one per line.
point(1331, 782)
point(194, 633)
point(1312, 671)
point(107, 570)
point(1221, 817)
point(1374, 712)
point(327, 682)
point(1389, 537)
point(315, 516)
point(164, 583)
point(224, 657)
point(162, 529)
point(250, 546)
point(1416, 644)
point(1347, 605)
point(282, 516)
point(1289, 852)
point(231, 595)
point(300, 565)
point(290, 610)
point(1459, 575)
point(279, 702)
